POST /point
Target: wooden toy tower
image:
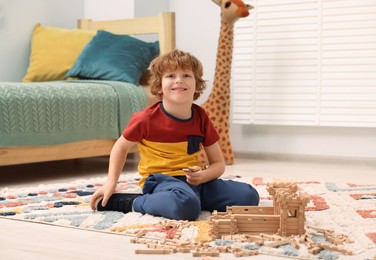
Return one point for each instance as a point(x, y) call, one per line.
point(290, 206)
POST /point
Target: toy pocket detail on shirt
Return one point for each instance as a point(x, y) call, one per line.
point(194, 142)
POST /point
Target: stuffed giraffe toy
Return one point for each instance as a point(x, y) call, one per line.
point(218, 103)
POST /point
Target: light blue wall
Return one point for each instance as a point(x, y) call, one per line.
point(150, 8)
point(17, 20)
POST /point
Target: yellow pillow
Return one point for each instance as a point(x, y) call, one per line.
point(53, 52)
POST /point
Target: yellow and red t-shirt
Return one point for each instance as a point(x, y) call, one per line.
point(168, 144)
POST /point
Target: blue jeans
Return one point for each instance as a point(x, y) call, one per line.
point(174, 198)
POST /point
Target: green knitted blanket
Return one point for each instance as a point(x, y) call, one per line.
point(46, 113)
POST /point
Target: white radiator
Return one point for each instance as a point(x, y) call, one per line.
point(306, 62)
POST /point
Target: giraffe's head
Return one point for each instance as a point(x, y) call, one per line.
point(232, 10)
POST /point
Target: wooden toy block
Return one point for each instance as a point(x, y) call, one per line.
point(334, 248)
point(224, 249)
point(208, 253)
point(141, 233)
point(278, 243)
point(245, 253)
point(334, 240)
point(320, 230)
point(294, 241)
point(315, 250)
point(159, 246)
point(250, 210)
point(181, 242)
point(139, 241)
point(271, 237)
point(183, 249)
point(153, 251)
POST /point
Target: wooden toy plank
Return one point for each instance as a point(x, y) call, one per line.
point(153, 251)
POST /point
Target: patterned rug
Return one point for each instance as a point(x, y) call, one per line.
point(347, 209)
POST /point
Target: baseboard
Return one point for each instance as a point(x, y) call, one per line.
point(305, 158)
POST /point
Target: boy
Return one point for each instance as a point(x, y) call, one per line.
point(169, 135)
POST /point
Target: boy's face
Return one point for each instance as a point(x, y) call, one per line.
point(178, 85)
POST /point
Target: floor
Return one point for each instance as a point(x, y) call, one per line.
point(22, 240)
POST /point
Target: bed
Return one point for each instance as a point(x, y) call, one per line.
point(82, 116)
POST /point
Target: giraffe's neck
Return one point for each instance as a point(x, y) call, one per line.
point(221, 84)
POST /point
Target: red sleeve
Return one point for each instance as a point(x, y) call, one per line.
point(136, 128)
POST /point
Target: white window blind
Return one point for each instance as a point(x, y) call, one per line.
point(306, 62)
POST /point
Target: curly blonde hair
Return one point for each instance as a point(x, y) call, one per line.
point(171, 61)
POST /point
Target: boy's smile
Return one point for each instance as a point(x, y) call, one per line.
point(179, 89)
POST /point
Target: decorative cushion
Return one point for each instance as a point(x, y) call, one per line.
point(114, 57)
point(53, 52)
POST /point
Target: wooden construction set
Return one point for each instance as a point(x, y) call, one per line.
point(280, 224)
point(286, 217)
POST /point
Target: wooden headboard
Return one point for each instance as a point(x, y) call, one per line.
point(163, 25)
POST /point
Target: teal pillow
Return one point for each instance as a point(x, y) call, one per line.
point(114, 57)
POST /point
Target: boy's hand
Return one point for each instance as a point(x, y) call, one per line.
point(104, 192)
point(192, 169)
point(194, 175)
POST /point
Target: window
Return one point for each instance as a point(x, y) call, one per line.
point(306, 62)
